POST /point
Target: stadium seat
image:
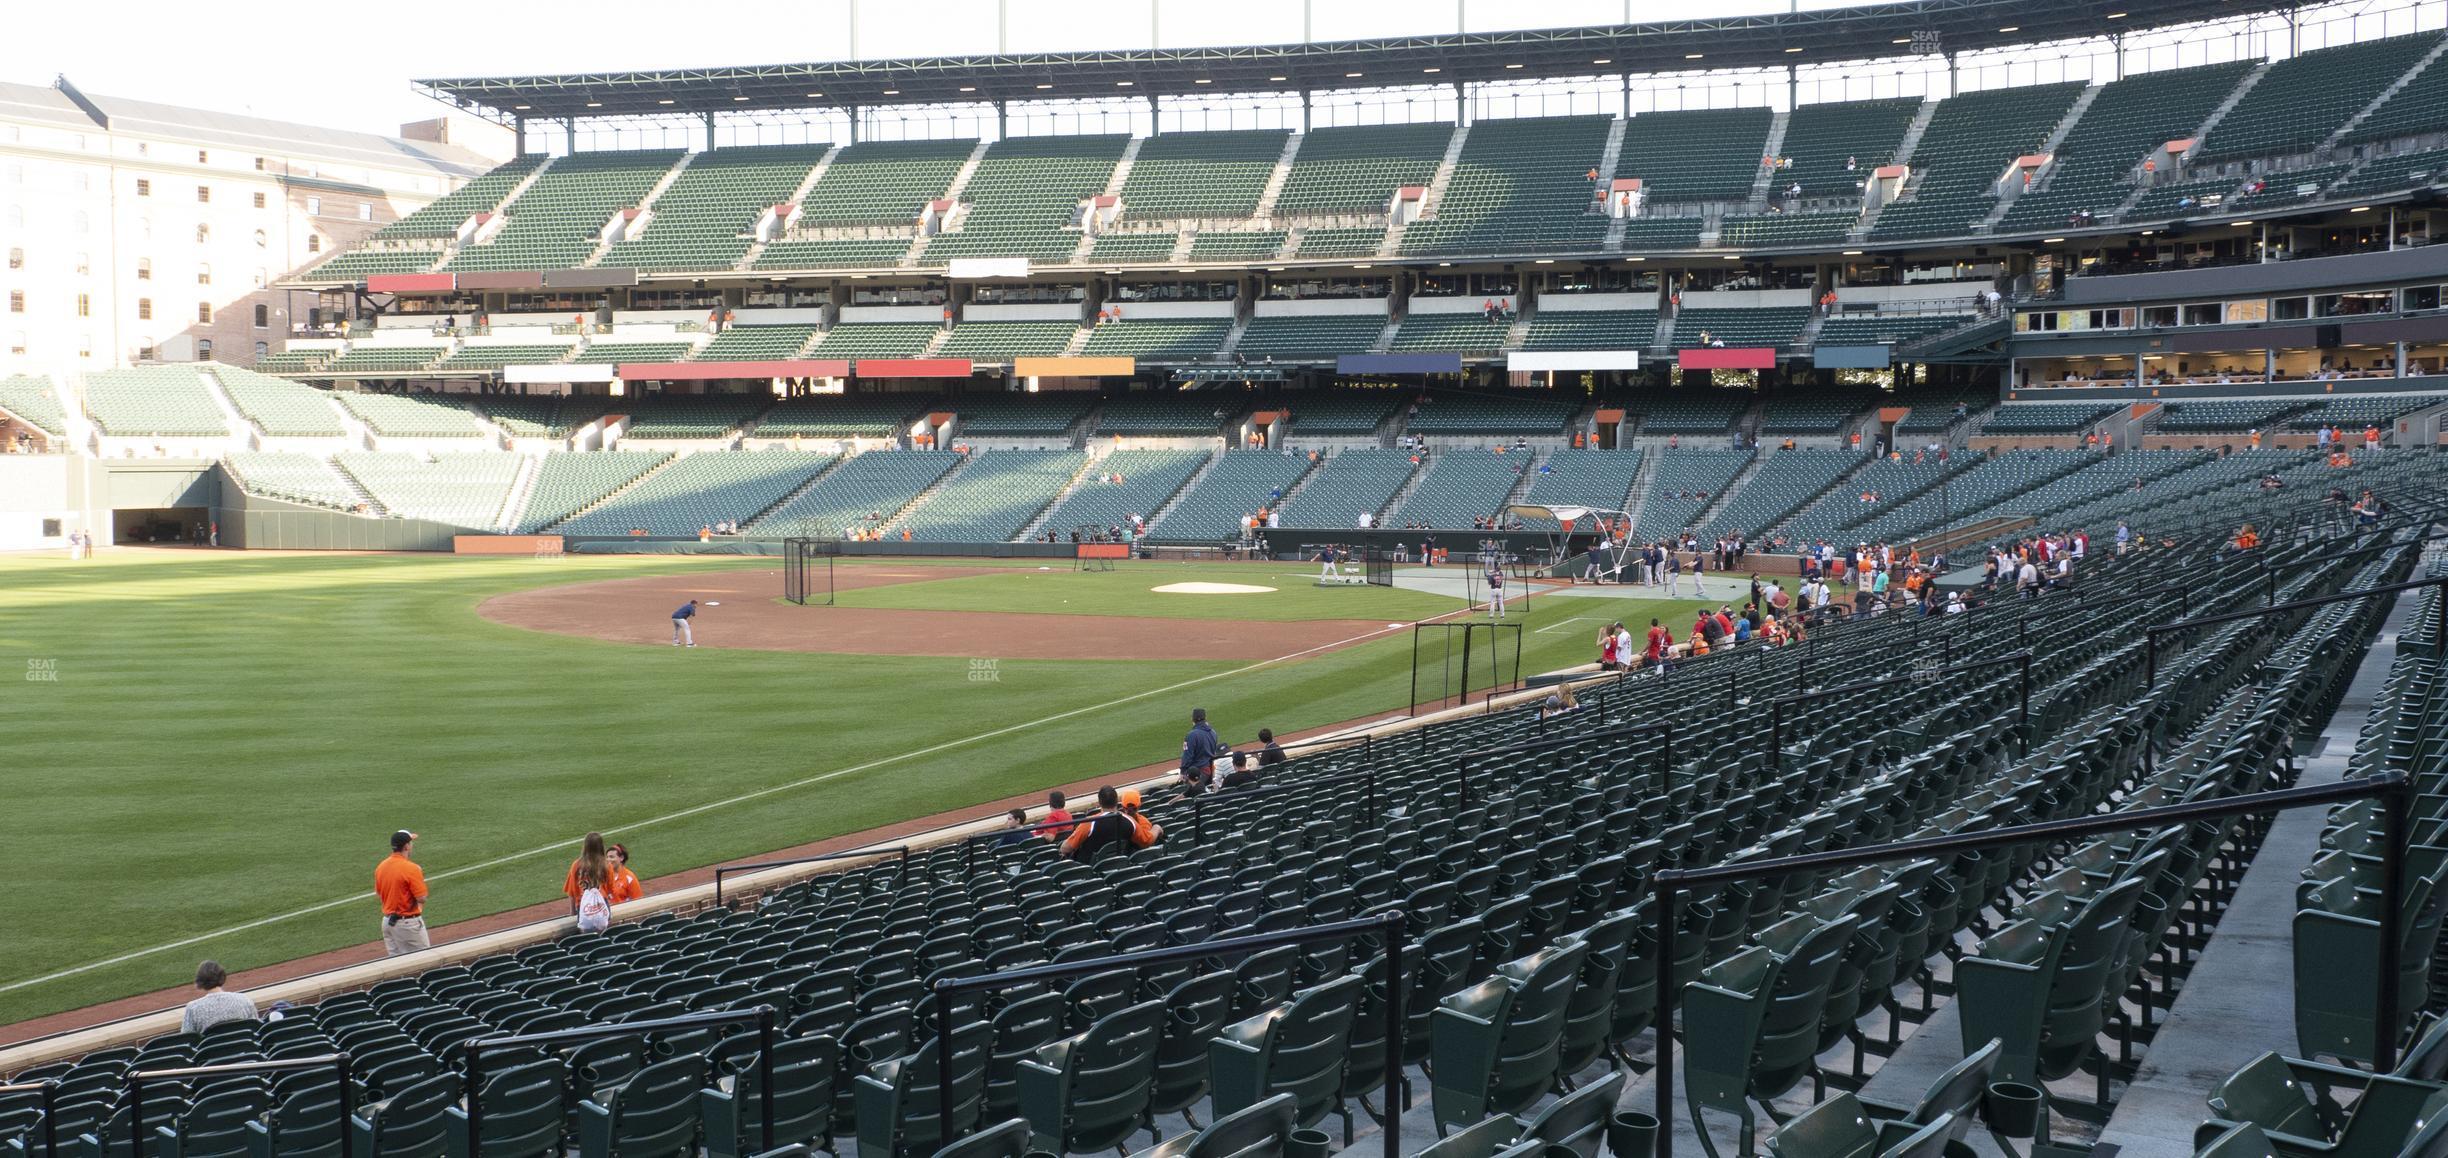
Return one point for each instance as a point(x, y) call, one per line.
point(806, 1071)
point(897, 1099)
point(1752, 1020)
point(652, 1114)
point(1260, 1130)
point(1297, 1048)
point(1495, 1044)
point(1091, 1091)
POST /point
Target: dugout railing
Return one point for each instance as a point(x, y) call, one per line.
point(722, 871)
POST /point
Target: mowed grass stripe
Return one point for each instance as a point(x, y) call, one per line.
point(217, 751)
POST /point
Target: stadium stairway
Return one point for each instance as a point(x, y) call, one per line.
point(2429, 61)
point(1705, 520)
point(522, 489)
point(798, 196)
point(1036, 522)
point(2239, 999)
point(609, 495)
point(1189, 484)
point(2056, 140)
point(644, 206)
point(1437, 185)
point(1644, 480)
point(1903, 156)
point(1763, 184)
point(1273, 191)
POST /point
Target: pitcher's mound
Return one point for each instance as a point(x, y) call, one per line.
point(1210, 589)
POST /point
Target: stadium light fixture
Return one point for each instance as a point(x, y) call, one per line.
point(594, 104)
point(1124, 83)
point(2242, 224)
point(2012, 28)
point(1351, 76)
point(2148, 232)
point(1852, 253)
point(1901, 40)
point(521, 108)
point(1636, 259)
point(892, 92)
point(1516, 64)
point(1693, 55)
point(1733, 257)
point(2051, 240)
point(1275, 78)
point(1444, 264)
point(1604, 60)
point(2116, 16)
point(968, 88)
point(1796, 48)
point(2360, 209)
point(739, 98)
point(814, 96)
point(1204, 80)
point(1432, 70)
point(1364, 267)
point(664, 101)
point(1544, 261)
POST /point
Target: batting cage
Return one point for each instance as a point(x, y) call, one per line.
point(807, 570)
point(1464, 656)
point(1094, 549)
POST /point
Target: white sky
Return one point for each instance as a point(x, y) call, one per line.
point(348, 65)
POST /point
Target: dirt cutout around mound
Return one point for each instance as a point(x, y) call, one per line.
point(750, 617)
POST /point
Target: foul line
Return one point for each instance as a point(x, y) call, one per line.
point(1569, 622)
point(685, 813)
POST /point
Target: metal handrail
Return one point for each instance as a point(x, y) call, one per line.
point(474, 1050)
point(50, 1111)
point(2021, 659)
point(2395, 787)
point(722, 871)
point(136, 1080)
point(1390, 924)
point(2151, 634)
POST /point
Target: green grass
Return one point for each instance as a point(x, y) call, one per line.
point(231, 737)
point(1126, 590)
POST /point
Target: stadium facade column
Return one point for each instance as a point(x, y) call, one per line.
point(709, 124)
point(1002, 119)
point(853, 111)
point(1461, 102)
point(1951, 63)
point(1155, 112)
point(518, 137)
point(1304, 97)
point(569, 133)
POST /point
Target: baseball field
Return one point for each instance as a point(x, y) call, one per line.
point(206, 751)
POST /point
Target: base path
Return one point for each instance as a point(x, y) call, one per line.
point(639, 611)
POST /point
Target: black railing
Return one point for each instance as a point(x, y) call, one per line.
point(1389, 924)
point(476, 1047)
point(752, 866)
point(1219, 798)
point(50, 1111)
point(1664, 731)
point(2151, 634)
point(2021, 659)
point(338, 1063)
point(2394, 788)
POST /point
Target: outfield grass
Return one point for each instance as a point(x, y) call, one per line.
point(1126, 590)
point(231, 736)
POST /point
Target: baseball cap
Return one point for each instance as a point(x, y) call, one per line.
point(400, 839)
point(1130, 798)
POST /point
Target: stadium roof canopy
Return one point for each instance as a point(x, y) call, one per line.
point(1768, 40)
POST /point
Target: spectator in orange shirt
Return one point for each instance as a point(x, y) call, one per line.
point(624, 885)
point(1113, 824)
point(592, 870)
point(400, 884)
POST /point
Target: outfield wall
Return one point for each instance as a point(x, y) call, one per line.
point(268, 524)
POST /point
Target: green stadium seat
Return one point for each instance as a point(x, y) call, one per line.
point(555, 223)
point(2301, 100)
point(1695, 154)
point(1518, 188)
point(702, 221)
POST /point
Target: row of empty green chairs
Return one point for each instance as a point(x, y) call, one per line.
point(441, 217)
point(1024, 198)
point(699, 490)
point(1178, 414)
point(1699, 325)
point(756, 343)
point(688, 415)
point(2128, 120)
point(1194, 175)
point(1684, 483)
point(1309, 337)
point(1460, 486)
point(1357, 168)
point(1241, 483)
point(363, 360)
point(412, 415)
point(2413, 169)
point(565, 482)
point(35, 400)
point(1340, 241)
point(1970, 138)
point(1832, 147)
point(987, 415)
point(2356, 412)
point(862, 492)
point(1981, 487)
point(1877, 487)
point(1122, 484)
point(1785, 480)
point(1346, 485)
point(1599, 479)
point(1336, 412)
point(298, 478)
point(162, 401)
point(1693, 154)
point(277, 406)
point(1554, 329)
point(1465, 413)
point(994, 496)
point(1158, 339)
point(1517, 188)
point(879, 416)
point(559, 219)
point(465, 490)
point(1811, 414)
point(2228, 414)
point(1472, 334)
point(2301, 100)
point(702, 221)
point(2045, 417)
point(875, 340)
point(1858, 329)
point(1673, 413)
point(1003, 341)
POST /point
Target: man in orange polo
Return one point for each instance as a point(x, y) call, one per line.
point(400, 885)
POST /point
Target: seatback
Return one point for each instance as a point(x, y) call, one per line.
point(1090, 1092)
point(1295, 1048)
point(655, 1115)
point(1259, 1130)
point(411, 1123)
point(522, 1110)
